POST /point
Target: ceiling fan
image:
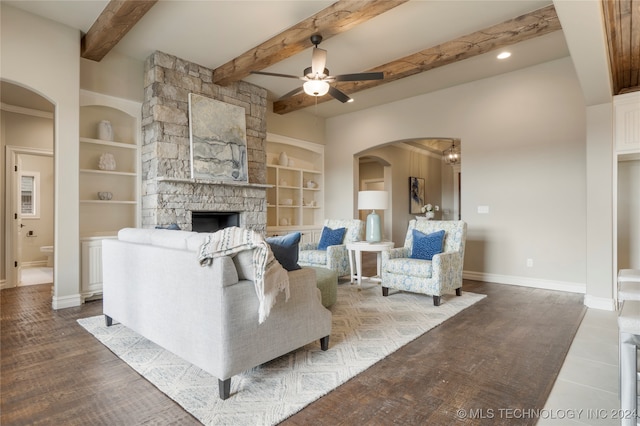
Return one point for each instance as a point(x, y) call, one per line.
point(316, 77)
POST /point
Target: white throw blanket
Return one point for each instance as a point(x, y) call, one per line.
point(270, 277)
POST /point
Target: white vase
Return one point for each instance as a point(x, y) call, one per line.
point(105, 131)
point(430, 215)
point(283, 159)
point(107, 162)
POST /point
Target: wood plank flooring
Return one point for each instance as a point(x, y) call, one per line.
point(502, 353)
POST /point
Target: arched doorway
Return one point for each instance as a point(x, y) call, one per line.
point(28, 188)
point(394, 162)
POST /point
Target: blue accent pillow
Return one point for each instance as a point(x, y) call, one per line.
point(425, 246)
point(285, 250)
point(330, 237)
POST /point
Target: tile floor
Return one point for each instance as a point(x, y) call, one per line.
point(586, 391)
point(36, 275)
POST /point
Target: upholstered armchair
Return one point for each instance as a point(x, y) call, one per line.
point(335, 256)
point(408, 268)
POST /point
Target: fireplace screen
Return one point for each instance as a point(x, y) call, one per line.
point(210, 221)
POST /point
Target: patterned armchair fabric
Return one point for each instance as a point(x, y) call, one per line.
point(435, 277)
point(336, 257)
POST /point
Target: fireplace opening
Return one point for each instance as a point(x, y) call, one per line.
point(212, 221)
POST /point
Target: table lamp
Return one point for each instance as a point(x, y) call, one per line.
point(373, 200)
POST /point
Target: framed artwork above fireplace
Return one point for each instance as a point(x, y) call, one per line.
point(218, 136)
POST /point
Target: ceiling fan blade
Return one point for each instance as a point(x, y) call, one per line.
point(342, 97)
point(359, 76)
point(274, 74)
point(291, 93)
point(318, 61)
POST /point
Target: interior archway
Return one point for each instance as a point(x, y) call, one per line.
point(394, 162)
point(28, 143)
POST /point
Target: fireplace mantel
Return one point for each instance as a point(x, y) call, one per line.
point(212, 182)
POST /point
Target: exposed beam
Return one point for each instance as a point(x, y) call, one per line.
point(113, 23)
point(335, 19)
point(622, 23)
point(530, 25)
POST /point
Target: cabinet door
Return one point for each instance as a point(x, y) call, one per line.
point(627, 123)
point(91, 261)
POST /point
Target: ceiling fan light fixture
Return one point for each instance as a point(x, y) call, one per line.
point(316, 87)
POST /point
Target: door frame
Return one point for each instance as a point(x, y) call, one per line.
point(12, 212)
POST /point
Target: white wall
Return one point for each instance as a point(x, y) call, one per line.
point(29, 60)
point(599, 206)
point(523, 155)
point(298, 125)
point(116, 75)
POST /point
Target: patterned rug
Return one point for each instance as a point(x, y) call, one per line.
point(366, 327)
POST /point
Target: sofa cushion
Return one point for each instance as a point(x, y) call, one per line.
point(244, 264)
point(285, 250)
point(409, 267)
point(425, 246)
point(330, 237)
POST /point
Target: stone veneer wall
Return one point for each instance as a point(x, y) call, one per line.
point(168, 192)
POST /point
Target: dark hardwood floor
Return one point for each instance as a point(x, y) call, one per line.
point(503, 352)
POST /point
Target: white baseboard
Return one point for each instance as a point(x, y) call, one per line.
point(3, 284)
point(526, 282)
point(603, 303)
point(66, 301)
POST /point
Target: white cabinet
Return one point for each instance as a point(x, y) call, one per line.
point(295, 199)
point(91, 266)
point(627, 123)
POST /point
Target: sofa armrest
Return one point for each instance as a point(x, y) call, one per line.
point(447, 269)
point(335, 254)
point(395, 253)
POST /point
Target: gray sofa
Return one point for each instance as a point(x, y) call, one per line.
point(154, 284)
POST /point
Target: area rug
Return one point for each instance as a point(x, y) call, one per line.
point(366, 327)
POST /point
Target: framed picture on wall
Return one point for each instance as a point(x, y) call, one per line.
point(416, 194)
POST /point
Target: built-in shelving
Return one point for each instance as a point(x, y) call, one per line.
point(100, 219)
point(295, 200)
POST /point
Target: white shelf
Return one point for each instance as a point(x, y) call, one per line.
point(108, 202)
point(108, 172)
point(109, 143)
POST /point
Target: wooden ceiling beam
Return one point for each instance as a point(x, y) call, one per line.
point(115, 21)
point(622, 24)
point(335, 19)
point(530, 25)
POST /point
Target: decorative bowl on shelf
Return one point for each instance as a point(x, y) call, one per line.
point(311, 184)
point(287, 202)
point(105, 195)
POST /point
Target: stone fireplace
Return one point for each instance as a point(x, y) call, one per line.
point(169, 194)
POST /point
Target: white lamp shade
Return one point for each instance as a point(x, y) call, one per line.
point(373, 200)
point(316, 87)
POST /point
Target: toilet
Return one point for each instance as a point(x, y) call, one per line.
point(48, 250)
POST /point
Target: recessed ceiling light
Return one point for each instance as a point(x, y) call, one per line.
point(504, 55)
